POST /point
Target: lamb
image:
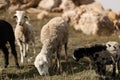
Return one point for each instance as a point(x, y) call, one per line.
point(53, 35)
point(24, 33)
point(7, 35)
point(89, 51)
point(102, 55)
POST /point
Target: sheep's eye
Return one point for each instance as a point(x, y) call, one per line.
point(109, 45)
point(42, 66)
point(14, 16)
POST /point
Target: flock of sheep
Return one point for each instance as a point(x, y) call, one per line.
point(53, 35)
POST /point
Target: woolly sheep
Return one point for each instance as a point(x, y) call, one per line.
point(24, 33)
point(53, 35)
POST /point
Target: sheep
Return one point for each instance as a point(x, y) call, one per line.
point(108, 57)
point(102, 55)
point(7, 35)
point(89, 51)
point(24, 33)
point(53, 35)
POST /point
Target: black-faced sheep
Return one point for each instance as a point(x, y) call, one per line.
point(7, 35)
point(53, 35)
point(24, 33)
point(102, 55)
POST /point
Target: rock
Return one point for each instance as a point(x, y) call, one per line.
point(3, 4)
point(91, 19)
point(33, 10)
point(67, 5)
point(42, 15)
point(94, 23)
point(82, 2)
point(74, 14)
point(49, 4)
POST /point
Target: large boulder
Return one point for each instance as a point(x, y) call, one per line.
point(67, 5)
point(83, 2)
point(91, 19)
point(49, 4)
point(3, 4)
point(94, 23)
point(86, 1)
point(29, 4)
point(74, 14)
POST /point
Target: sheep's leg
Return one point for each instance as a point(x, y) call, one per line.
point(66, 56)
point(27, 48)
point(6, 56)
point(33, 45)
point(21, 51)
point(24, 49)
point(103, 67)
point(118, 65)
point(59, 70)
point(14, 53)
point(114, 70)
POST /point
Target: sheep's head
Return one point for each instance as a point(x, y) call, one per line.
point(21, 17)
point(113, 47)
point(42, 64)
point(78, 54)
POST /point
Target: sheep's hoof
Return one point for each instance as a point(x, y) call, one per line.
point(17, 66)
point(113, 75)
point(25, 55)
point(59, 71)
point(5, 66)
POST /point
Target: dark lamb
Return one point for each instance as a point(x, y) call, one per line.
point(89, 51)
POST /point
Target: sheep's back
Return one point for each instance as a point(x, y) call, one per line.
point(6, 32)
point(56, 30)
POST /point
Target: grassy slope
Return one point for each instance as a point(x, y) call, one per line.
point(71, 70)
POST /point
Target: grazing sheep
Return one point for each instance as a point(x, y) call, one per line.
point(102, 55)
point(89, 51)
point(7, 35)
point(53, 35)
point(24, 33)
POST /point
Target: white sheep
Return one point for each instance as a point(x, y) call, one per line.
point(53, 35)
point(24, 33)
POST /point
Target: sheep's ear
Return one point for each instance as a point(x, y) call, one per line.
point(14, 16)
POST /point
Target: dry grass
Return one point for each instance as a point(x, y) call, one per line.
point(71, 70)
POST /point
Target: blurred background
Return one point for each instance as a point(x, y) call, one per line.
point(91, 22)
